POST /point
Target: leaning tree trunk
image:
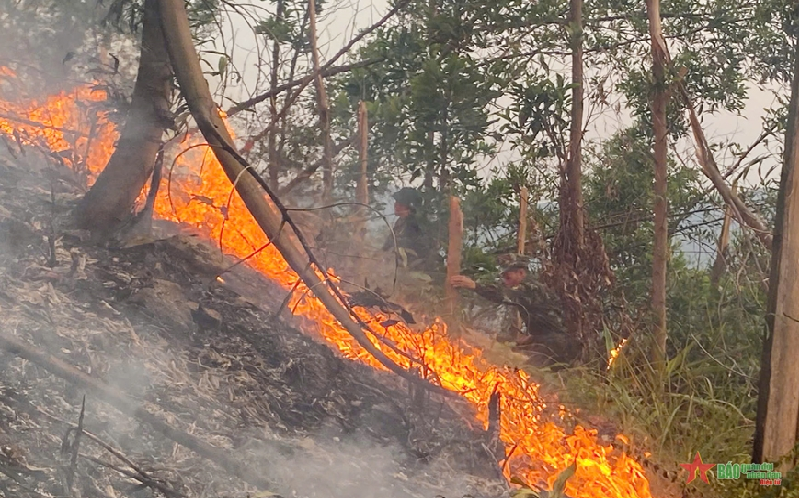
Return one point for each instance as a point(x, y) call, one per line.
point(661, 245)
point(271, 217)
point(778, 405)
point(111, 198)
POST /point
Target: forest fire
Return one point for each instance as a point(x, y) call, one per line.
point(197, 192)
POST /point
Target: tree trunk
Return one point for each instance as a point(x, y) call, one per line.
point(572, 218)
point(269, 216)
point(274, 162)
point(661, 246)
point(111, 198)
point(778, 405)
point(574, 162)
point(323, 107)
point(362, 184)
point(521, 240)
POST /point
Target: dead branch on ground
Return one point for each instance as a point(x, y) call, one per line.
point(131, 407)
point(74, 447)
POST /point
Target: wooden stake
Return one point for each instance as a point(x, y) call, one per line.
point(720, 264)
point(454, 251)
point(523, 195)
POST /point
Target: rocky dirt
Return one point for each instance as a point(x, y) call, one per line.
point(152, 321)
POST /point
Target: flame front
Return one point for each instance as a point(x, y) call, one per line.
point(200, 194)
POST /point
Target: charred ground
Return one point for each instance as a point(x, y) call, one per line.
point(209, 358)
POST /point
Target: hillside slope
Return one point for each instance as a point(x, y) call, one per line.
point(152, 322)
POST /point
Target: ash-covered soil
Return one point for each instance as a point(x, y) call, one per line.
point(152, 321)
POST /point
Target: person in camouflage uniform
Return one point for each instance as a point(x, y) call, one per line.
point(408, 233)
point(537, 308)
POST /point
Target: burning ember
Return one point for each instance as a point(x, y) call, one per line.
point(197, 192)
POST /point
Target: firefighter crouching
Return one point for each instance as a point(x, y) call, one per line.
point(543, 336)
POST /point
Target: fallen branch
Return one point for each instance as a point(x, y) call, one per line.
point(270, 216)
point(131, 407)
point(75, 447)
point(115, 452)
point(141, 477)
point(20, 481)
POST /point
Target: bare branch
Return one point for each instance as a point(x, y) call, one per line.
point(327, 71)
point(311, 169)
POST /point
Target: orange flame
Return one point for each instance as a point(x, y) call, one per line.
point(7, 72)
point(615, 352)
point(200, 194)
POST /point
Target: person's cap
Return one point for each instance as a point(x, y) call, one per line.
point(515, 266)
point(511, 262)
point(407, 196)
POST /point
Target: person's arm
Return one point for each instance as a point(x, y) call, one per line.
point(491, 292)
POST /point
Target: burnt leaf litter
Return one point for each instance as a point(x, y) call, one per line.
point(209, 358)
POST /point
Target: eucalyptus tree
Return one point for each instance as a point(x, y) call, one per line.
point(778, 406)
point(108, 203)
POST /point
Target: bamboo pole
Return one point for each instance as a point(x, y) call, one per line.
point(523, 195)
point(269, 213)
point(454, 252)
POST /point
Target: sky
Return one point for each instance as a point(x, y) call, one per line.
point(343, 18)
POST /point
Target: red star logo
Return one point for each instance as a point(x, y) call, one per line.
point(697, 466)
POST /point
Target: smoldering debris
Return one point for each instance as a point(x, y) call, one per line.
point(152, 322)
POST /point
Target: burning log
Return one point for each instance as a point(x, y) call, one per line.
point(270, 216)
point(131, 407)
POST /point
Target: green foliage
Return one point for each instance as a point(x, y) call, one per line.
point(428, 100)
point(618, 191)
point(291, 27)
point(542, 109)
